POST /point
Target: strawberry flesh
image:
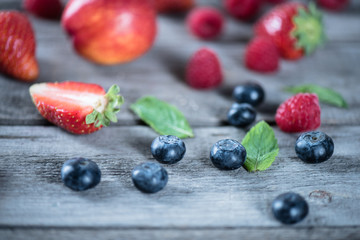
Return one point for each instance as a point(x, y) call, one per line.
point(67, 104)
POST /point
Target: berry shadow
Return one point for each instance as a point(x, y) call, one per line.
point(48, 169)
point(48, 72)
point(174, 62)
point(226, 91)
point(268, 107)
point(141, 144)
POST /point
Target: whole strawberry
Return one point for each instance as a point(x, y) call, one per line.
point(294, 28)
point(204, 70)
point(50, 9)
point(261, 55)
point(333, 5)
point(80, 108)
point(243, 9)
point(299, 113)
point(17, 47)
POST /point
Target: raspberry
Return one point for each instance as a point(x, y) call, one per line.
point(333, 5)
point(205, 22)
point(243, 9)
point(204, 70)
point(50, 9)
point(299, 113)
point(261, 55)
point(275, 1)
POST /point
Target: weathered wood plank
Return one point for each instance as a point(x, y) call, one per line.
point(197, 195)
point(200, 202)
point(330, 233)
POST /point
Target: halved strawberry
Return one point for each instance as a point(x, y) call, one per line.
point(80, 108)
point(295, 29)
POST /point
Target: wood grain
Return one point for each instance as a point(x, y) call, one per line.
point(279, 233)
point(200, 201)
point(197, 195)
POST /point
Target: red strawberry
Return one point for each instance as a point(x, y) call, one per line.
point(17, 46)
point(205, 22)
point(243, 9)
point(50, 9)
point(333, 5)
point(204, 70)
point(79, 108)
point(299, 113)
point(294, 28)
point(261, 55)
point(167, 6)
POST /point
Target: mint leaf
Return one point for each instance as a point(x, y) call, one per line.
point(261, 147)
point(162, 117)
point(325, 95)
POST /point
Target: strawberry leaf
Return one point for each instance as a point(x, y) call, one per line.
point(261, 147)
point(90, 118)
point(325, 95)
point(113, 102)
point(309, 29)
point(162, 117)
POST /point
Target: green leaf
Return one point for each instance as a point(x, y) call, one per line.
point(325, 95)
point(113, 104)
point(162, 117)
point(261, 147)
point(309, 29)
point(90, 118)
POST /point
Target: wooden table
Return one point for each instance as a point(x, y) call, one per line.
point(200, 201)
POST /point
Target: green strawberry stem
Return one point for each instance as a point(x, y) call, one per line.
point(113, 103)
point(309, 29)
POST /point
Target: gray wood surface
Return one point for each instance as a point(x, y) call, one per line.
point(197, 195)
point(200, 201)
point(279, 233)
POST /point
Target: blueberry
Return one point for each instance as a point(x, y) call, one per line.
point(250, 93)
point(228, 154)
point(241, 115)
point(168, 149)
point(80, 174)
point(290, 208)
point(149, 177)
point(314, 147)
